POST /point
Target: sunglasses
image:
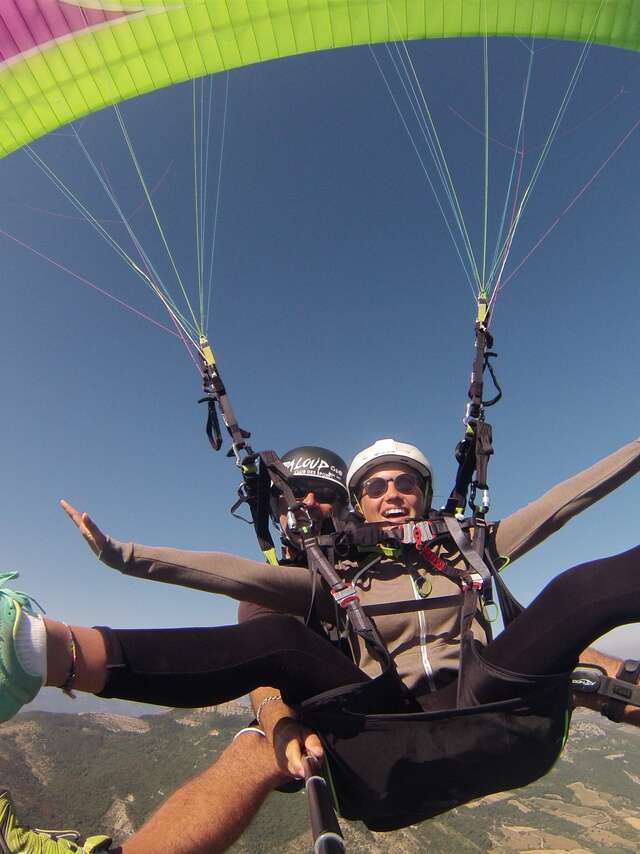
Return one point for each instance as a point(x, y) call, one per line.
point(323, 494)
point(405, 484)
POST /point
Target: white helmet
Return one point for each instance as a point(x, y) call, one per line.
point(387, 451)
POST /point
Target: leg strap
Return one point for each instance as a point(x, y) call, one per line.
point(621, 691)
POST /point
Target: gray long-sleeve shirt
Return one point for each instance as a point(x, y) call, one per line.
point(424, 645)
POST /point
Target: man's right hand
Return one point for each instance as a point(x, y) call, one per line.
point(291, 740)
point(87, 527)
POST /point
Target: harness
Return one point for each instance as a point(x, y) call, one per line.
point(512, 742)
point(426, 762)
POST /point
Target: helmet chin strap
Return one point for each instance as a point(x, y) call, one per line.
point(357, 507)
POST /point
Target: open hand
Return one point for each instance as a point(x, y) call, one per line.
point(87, 527)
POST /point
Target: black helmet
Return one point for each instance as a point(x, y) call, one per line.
point(323, 465)
point(312, 461)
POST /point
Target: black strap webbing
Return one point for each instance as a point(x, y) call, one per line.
point(474, 560)
point(216, 393)
point(411, 605)
point(510, 608)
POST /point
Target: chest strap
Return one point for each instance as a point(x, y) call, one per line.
point(473, 559)
point(411, 605)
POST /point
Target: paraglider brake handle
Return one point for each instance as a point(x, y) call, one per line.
point(215, 395)
point(212, 428)
point(489, 354)
point(213, 388)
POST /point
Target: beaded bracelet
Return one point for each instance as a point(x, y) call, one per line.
point(68, 684)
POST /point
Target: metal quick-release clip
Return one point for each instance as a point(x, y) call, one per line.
point(423, 548)
point(475, 582)
point(409, 529)
point(344, 594)
point(472, 413)
point(298, 519)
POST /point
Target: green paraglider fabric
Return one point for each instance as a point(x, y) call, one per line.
point(62, 59)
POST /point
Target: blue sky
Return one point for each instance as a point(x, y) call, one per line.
point(340, 311)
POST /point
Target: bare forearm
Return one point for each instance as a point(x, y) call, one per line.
point(209, 813)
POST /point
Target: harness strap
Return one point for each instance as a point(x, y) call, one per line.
point(278, 475)
point(252, 491)
point(483, 450)
point(215, 392)
point(255, 492)
point(411, 605)
point(463, 576)
point(509, 605)
point(474, 560)
point(468, 611)
point(433, 532)
point(346, 596)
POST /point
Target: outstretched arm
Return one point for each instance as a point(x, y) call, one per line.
point(528, 527)
point(286, 589)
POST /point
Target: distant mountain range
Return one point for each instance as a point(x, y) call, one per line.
point(106, 772)
point(54, 700)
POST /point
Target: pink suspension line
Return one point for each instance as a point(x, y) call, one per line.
point(85, 281)
point(567, 132)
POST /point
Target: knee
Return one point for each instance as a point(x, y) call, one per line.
point(284, 627)
point(584, 584)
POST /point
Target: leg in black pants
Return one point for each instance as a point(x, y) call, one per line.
point(198, 667)
point(574, 610)
point(201, 667)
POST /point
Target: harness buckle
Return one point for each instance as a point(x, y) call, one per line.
point(472, 414)
point(298, 519)
point(423, 548)
point(345, 594)
point(474, 582)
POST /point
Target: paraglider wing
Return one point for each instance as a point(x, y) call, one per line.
point(62, 59)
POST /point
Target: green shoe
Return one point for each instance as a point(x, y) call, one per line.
point(17, 687)
point(15, 839)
